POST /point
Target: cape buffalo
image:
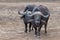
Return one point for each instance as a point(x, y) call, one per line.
point(40, 17)
point(36, 16)
point(27, 20)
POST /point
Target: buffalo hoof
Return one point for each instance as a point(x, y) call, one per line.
point(35, 33)
point(29, 30)
point(25, 31)
point(38, 34)
point(45, 32)
point(37, 37)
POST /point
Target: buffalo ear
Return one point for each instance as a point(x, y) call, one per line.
point(22, 17)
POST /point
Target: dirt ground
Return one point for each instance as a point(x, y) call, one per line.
point(12, 27)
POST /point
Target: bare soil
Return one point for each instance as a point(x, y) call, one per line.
point(12, 27)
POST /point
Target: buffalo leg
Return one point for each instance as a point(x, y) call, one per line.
point(35, 30)
point(46, 25)
point(39, 29)
point(29, 27)
point(46, 28)
point(26, 27)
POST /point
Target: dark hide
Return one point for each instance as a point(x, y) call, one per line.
point(29, 8)
point(43, 20)
point(26, 18)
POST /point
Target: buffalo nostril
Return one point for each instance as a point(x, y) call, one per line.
point(37, 23)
